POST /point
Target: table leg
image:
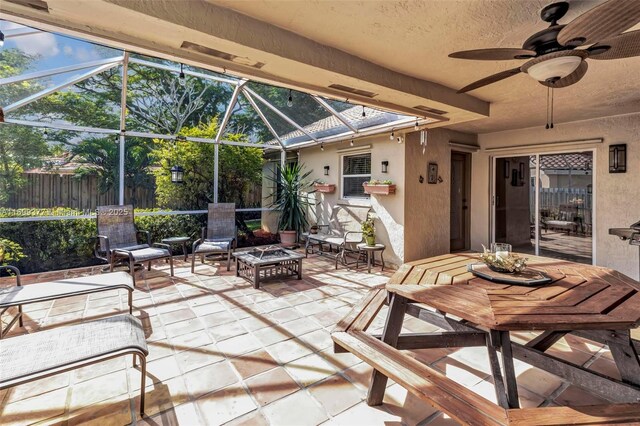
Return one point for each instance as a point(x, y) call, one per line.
point(369, 254)
point(256, 276)
point(382, 259)
point(626, 358)
point(392, 329)
point(299, 269)
point(184, 250)
point(504, 380)
point(509, 370)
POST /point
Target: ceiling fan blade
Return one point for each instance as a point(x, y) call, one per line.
point(489, 80)
point(572, 78)
point(497, 54)
point(625, 45)
point(603, 21)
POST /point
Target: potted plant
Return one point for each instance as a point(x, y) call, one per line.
point(380, 187)
point(369, 231)
point(291, 200)
point(322, 186)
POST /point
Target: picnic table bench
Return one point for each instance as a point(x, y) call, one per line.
point(19, 295)
point(591, 302)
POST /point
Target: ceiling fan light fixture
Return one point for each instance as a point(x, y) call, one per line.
point(555, 68)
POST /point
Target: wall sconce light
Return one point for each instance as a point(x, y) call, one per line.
point(326, 170)
point(618, 158)
point(385, 166)
point(177, 174)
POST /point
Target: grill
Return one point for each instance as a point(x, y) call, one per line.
point(630, 234)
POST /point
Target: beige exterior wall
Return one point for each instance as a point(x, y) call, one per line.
point(388, 208)
point(427, 206)
point(616, 196)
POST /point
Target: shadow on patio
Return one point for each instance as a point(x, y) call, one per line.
point(222, 351)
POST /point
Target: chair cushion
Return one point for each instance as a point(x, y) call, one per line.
point(129, 246)
point(213, 247)
point(146, 254)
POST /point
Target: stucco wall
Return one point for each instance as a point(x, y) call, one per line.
point(427, 206)
point(388, 208)
point(616, 196)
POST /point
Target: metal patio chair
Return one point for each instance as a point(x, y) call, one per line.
point(219, 236)
point(118, 240)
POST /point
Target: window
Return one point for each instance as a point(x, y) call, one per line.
point(356, 169)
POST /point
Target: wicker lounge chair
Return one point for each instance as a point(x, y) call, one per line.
point(38, 355)
point(220, 234)
point(40, 292)
point(118, 242)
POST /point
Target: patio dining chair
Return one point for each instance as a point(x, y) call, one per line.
point(118, 241)
point(219, 236)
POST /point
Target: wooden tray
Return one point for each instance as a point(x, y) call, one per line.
point(528, 277)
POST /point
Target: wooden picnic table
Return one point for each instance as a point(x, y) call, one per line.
point(588, 301)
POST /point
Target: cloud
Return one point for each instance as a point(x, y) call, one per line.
point(83, 54)
point(43, 44)
point(67, 50)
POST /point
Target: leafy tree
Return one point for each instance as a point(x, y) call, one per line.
point(240, 168)
point(20, 147)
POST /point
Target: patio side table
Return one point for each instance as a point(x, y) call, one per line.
point(370, 252)
point(178, 240)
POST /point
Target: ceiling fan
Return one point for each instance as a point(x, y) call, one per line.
point(556, 56)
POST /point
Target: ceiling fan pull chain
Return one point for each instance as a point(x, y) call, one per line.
point(547, 126)
point(552, 107)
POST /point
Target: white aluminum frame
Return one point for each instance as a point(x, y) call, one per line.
point(538, 151)
point(240, 86)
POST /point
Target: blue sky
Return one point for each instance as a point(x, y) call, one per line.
point(54, 50)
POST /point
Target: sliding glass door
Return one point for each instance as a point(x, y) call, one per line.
point(543, 204)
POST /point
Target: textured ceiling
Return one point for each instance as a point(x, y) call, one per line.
point(396, 49)
point(415, 37)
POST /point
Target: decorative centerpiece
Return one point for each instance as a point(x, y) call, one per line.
point(501, 259)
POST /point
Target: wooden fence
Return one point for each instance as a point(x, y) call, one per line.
point(52, 190)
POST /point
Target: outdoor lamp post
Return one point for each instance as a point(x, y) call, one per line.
point(177, 174)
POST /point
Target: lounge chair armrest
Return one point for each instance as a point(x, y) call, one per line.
point(13, 270)
point(97, 249)
point(346, 235)
point(122, 253)
point(195, 244)
point(162, 245)
point(148, 236)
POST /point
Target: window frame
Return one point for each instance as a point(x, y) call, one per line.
point(342, 175)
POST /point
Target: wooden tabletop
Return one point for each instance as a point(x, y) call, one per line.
point(580, 297)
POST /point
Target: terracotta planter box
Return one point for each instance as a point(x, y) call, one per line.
point(325, 187)
point(379, 189)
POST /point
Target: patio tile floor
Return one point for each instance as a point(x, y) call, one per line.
point(222, 352)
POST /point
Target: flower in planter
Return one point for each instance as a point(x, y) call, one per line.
point(369, 231)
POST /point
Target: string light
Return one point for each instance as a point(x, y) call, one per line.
point(417, 126)
point(181, 77)
point(392, 136)
point(321, 147)
point(364, 114)
point(290, 100)
point(351, 143)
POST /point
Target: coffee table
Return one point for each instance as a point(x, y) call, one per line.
point(259, 264)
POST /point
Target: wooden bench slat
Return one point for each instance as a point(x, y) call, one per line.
point(586, 415)
point(357, 309)
point(423, 381)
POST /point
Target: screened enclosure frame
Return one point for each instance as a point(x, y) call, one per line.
point(260, 105)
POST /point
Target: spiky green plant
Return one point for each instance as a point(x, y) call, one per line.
point(291, 197)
